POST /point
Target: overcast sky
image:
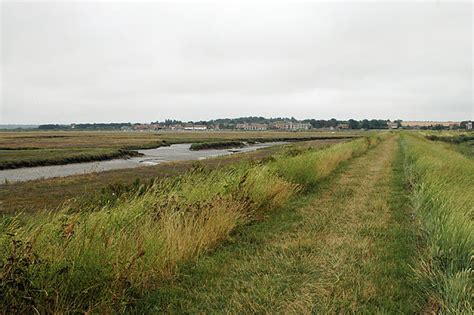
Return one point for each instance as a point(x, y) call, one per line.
point(110, 61)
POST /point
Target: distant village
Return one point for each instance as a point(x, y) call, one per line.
point(302, 126)
point(262, 124)
point(282, 125)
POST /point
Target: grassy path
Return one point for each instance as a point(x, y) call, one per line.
point(344, 248)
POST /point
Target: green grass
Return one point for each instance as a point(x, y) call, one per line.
point(308, 169)
point(442, 187)
point(101, 259)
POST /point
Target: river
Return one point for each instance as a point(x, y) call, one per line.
point(175, 152)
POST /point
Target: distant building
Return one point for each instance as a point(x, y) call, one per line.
point(469, 125)
point(194, 127)
point(289, 125)
point(147, 127)
point(392, 125)
point(251, 126)
point(343, 126)
point(176, 127)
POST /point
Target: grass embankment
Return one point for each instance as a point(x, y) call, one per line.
point(442, 183)
point(344, 248)
point(101, 259)
point(217, 145)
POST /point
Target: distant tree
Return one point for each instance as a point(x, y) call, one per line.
point(53, 127)
point(353, 124)
point(365, 124)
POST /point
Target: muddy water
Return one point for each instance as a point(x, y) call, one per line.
point(176, 152)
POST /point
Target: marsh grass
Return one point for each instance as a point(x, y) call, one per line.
point(217, 145)
point(441, 181)
point(100, 258)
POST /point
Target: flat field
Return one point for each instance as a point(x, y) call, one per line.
point(378, 224)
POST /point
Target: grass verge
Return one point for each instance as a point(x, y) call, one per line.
point(442, 191)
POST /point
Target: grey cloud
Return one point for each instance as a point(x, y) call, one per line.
point(146, 61)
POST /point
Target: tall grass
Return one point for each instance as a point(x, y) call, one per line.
point(442, 183)
point(100, 259)
point(309, 168)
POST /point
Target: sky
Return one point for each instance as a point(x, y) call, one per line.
point(140, 62)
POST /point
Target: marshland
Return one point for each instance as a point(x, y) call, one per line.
point(252, 157)
point(287, 228)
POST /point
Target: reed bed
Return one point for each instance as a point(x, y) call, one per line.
point(442, 186)
point(99, 259)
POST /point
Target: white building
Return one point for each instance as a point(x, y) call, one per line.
point(195, 127)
